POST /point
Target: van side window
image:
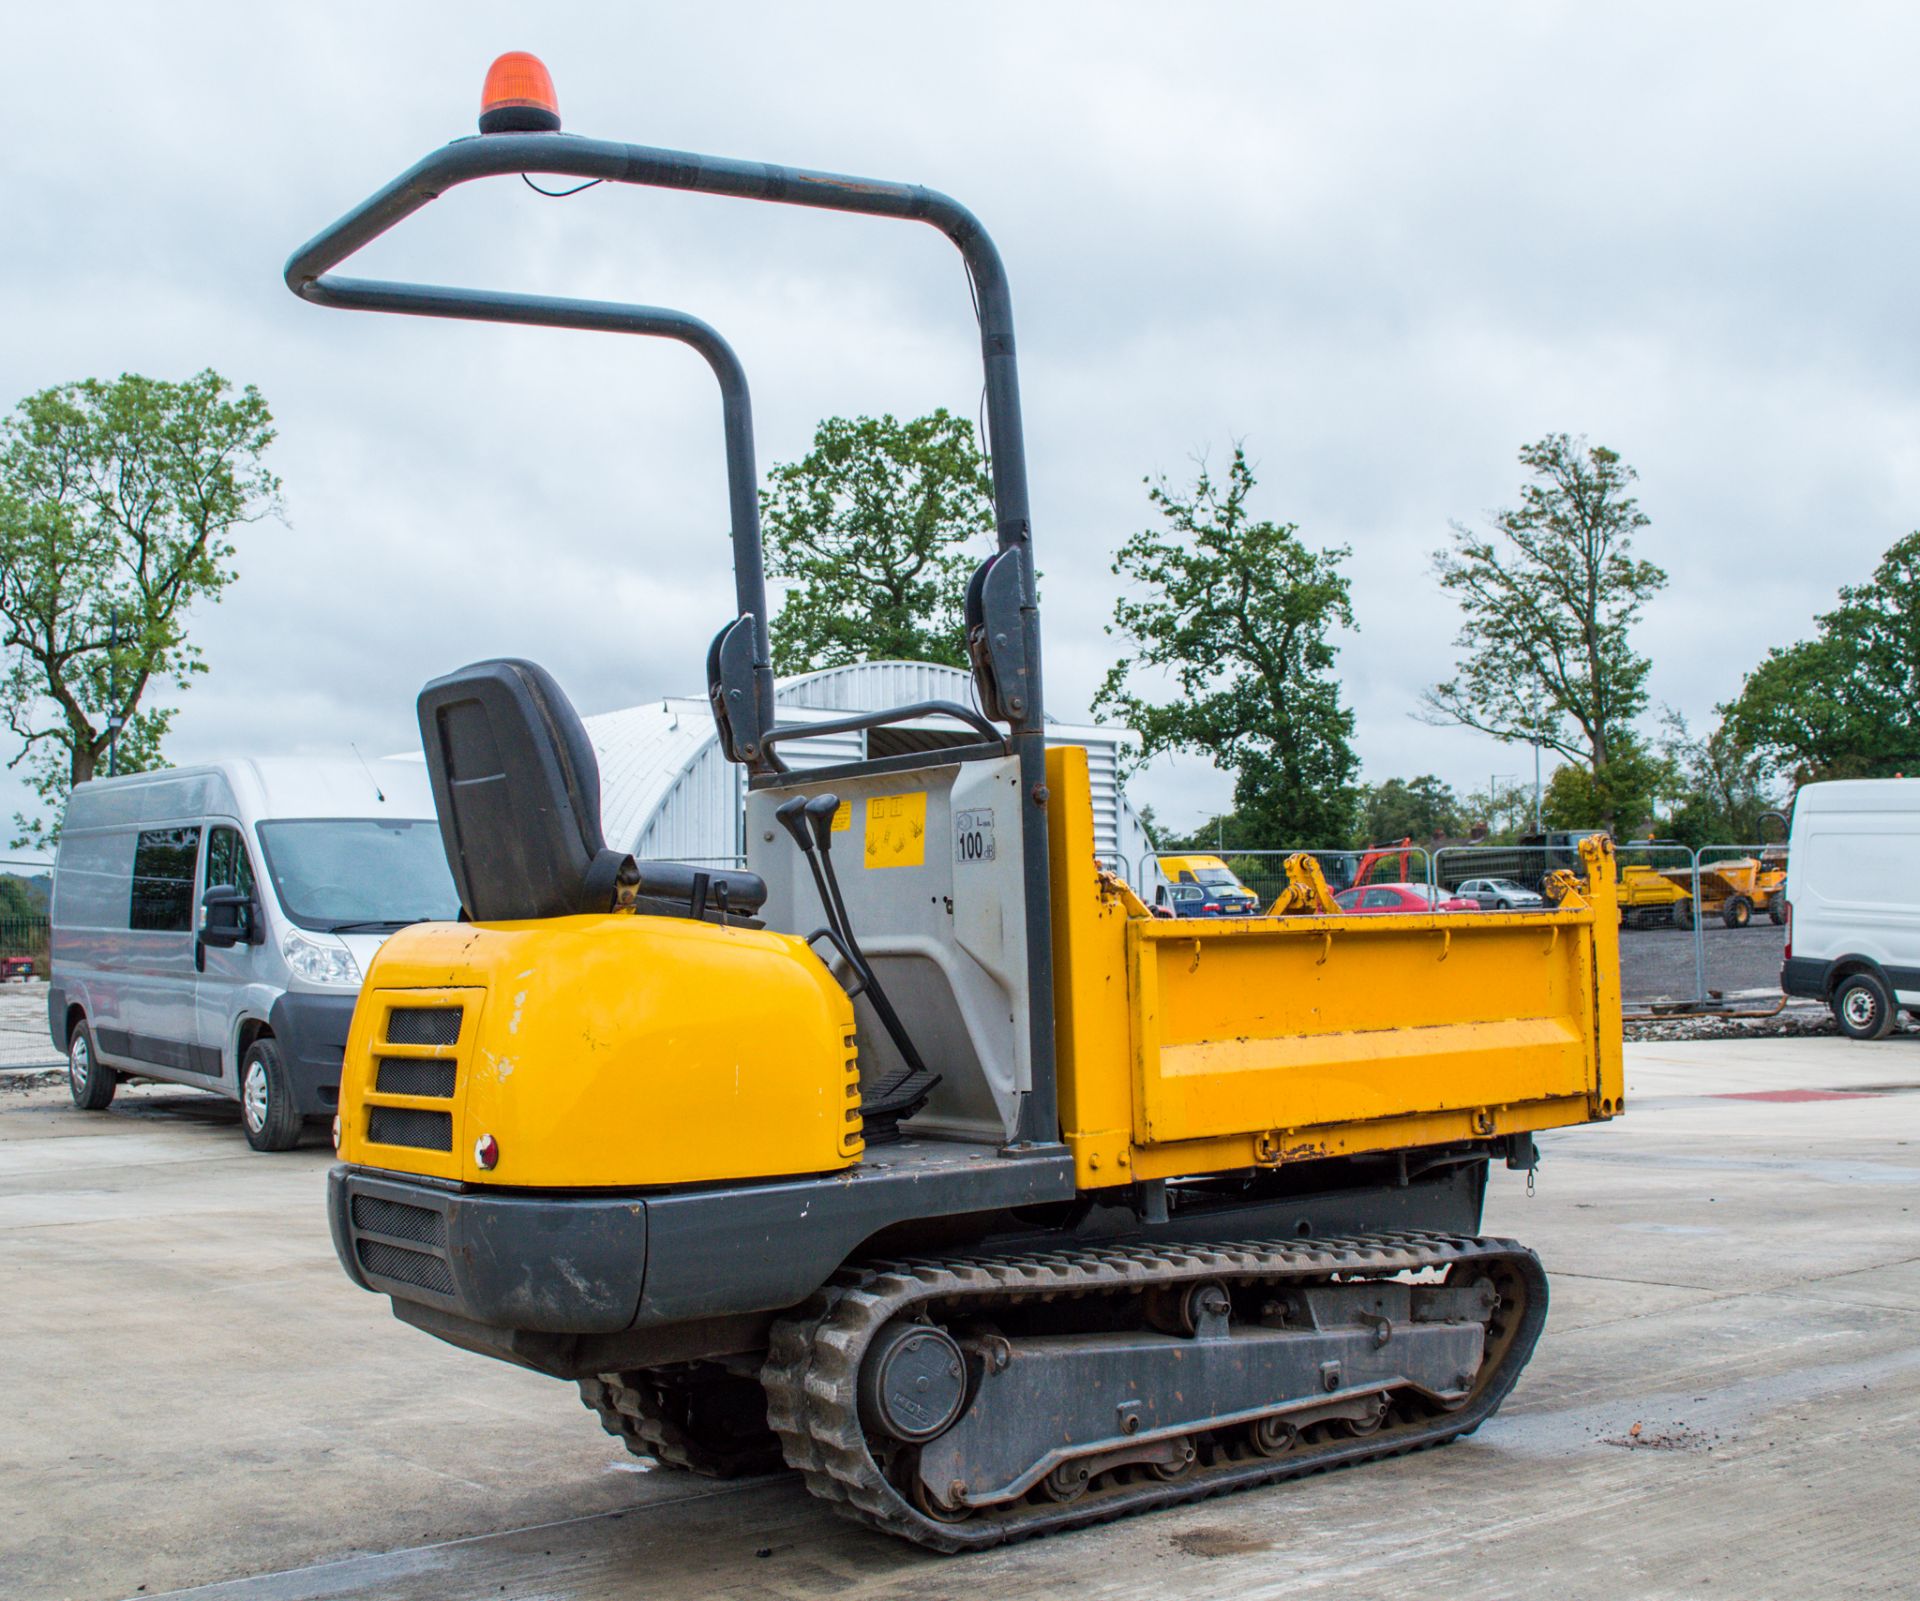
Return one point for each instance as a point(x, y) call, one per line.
point(227, 861)
point(163, 864)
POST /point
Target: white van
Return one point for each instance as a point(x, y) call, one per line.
point(1853, 901)
point(211, 924)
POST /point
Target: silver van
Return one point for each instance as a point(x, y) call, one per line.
point(211, 924)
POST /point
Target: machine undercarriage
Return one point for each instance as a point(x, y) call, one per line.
point(971, 1401)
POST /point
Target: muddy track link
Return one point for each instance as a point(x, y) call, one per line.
point(814, 1357)
point(696, 1416)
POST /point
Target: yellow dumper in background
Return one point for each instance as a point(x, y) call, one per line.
point(1732, 890)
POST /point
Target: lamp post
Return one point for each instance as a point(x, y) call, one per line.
point(1493, 793)
point(113, 696)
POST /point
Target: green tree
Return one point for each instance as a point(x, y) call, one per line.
point(1720, 785)
point(17, 899)
point(1504, 810)
point(1841, 705)
point(1236, 612)
point(117, 506)
point(1620, 797)
point(1548, 602)
point(876, 531)
point(1420, 809)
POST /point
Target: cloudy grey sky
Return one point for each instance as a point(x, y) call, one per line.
point(1383, 244)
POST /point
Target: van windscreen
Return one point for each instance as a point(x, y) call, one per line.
point(344, 873)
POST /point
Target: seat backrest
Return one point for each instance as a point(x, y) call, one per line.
point(517, 790)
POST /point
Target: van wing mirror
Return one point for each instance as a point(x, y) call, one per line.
point(228, 916)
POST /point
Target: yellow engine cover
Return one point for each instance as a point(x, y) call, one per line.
point(601, 1051)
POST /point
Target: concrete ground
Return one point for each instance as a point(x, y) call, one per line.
point(1724, 1403)
point(23, 1025)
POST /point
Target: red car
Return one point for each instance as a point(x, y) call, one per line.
point(1402, 898)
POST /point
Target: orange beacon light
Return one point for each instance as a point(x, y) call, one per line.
point(519, 97)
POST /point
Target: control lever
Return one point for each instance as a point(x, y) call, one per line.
point(820, 812)
point(810, 822)
point(815, 842)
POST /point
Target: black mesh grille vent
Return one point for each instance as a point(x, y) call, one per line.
point(421, 1224)
point(415, 1075)
point(423, 1025)
point(409, 1125)
point(385, 1261)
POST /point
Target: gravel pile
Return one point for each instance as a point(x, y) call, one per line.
point(1797, 1021)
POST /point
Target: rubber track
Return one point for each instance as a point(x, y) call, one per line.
point(633, 1415)
point(814, 1358)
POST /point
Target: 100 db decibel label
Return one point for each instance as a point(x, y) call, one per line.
point(973, 835)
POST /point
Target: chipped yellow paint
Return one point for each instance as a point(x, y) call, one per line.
point(613, 1052)
point(1190, 1047)
point(897, 830)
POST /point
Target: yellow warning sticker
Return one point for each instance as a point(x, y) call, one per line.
point(897, 830)
point(843, 817)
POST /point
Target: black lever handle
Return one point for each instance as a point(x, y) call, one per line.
point(820, 813)
point(810, 822)
point(791, 816)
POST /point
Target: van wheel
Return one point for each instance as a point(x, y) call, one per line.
point(1738, 912)
point(267, 1111)
point(90, 1080)
point(1777, 906)
point(1862, 1007)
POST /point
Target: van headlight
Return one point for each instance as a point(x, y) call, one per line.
point(319, 961)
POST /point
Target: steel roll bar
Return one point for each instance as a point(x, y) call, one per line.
point(309, 274)
point(603, 316)
point(564, 155)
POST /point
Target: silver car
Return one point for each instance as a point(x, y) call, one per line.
point(1501, 895)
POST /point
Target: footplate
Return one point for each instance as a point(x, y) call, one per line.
point(1089, 1383)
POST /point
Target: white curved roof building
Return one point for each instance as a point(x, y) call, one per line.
point(667, 792)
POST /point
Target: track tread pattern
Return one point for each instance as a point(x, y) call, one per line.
point(813, 1361)
point(636, 1414)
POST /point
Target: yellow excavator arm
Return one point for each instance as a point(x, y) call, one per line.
point(1306, 889)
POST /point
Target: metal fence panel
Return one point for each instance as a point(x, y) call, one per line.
point(23, 936)
point(1264, 872)
point(1678, 907)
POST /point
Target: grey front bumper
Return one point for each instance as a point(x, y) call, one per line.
point(555, 1264)
point(311, 1031)
point(593, 1262)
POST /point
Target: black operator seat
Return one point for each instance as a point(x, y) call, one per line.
point(517, 790)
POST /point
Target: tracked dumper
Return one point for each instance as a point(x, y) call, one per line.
point(916, 1154)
